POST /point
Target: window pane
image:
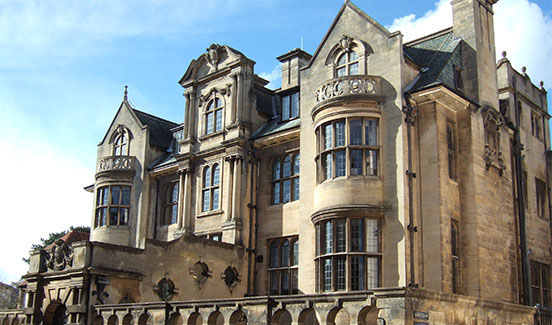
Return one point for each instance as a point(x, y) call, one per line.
point(340, 133)
point(296, 188)
point(274, 290)
point(216, 175)
point(327, 274)
point(328, 137)
point(372, 273)
point(115, 194)
point(296, 164)
point(372, 236)
point(287, 191)
point(218, 102)
point(207, 177)
point(285, 282)
point(174, 196)
point(353, 56)
point(342, 59)
point(357, 273)
point(174, 213)
point(340, 235)
point(341, 262)
point(371, 133)
point(218, 120)
point(356, 162)
point(206, 200)
point(328, 166)
point(356, 235)
point(211, 106)
point(287, 167)
point(105, 195)
point(340, 162)
point(113, 216)
point(125, 199)
point(294, 282)
point(99, 198)
point(209, 122)
point(103, 216)
point(215, 199)
point(276, 193)
point(372, 162)
point(295, 258)
point(355, 130)
point(123, 220)
point(294, 105)
point(276, 169)
point(284, 261)
point(328, 245)
point(353, 69)
point(285, 108)
point(274, 253)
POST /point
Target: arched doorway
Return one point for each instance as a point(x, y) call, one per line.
point(55, 314)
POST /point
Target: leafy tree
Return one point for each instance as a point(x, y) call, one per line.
point(52, 237)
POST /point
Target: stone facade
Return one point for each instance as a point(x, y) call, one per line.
point(383, 183)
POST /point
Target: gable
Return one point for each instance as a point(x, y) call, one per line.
point(217, 58)
point(124, 116)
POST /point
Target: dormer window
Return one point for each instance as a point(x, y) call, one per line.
point(347, 64)
point(290, 106)
point(120, 146)
point(213, 116)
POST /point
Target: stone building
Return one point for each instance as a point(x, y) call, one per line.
point(383, 183)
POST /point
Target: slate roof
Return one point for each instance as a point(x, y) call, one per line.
point(271, 107)
point(160, 129)
point(436, 54)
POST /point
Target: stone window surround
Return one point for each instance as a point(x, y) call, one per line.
point(278, 182)
point(211, 188)
point(276, 269)
point(105, 220)
point(345, 45)
point(368, 151)
point(347, 254)
point(218, 112)
point(452, 153)
point(120, 141)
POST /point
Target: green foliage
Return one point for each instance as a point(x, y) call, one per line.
point(52, 237)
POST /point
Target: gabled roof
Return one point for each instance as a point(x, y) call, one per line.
point(434, 54)
point(160, 129)
point(350, 5)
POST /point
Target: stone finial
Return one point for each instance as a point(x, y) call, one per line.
point(504, 54)
point(126, 93)
point(524, 70)
point(541, 83)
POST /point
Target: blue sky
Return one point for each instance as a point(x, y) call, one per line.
point(64, 64)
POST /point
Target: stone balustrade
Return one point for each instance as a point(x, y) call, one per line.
point(349, 86)
point(117, 163)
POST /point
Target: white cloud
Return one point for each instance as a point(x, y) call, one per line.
point(432, 21)
point(274, 76)
point(520, 26)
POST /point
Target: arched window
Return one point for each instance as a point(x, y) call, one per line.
point(211, 188)
point(120, 145)
point(282, 268)
point(347, 64)
point(171, 204)
point(213, 116)
point(285, 179)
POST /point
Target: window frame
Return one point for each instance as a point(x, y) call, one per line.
point(336, 159)
point(539, 272)
point(211, 188)
point(121, 143)
point(280, 270)
point(347, 64)
point(540, 198)
point(212, 126)
point(277, 183)
point(327, 260)
point(104, 219)
point(452, 160)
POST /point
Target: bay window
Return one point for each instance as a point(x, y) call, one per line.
point(112, 205)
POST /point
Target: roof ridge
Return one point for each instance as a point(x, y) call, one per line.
point(428, 37)
point(153, 116)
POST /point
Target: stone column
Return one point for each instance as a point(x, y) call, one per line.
point(186, 201)
point(236, 187)
point(182, 173)
point(229, 188)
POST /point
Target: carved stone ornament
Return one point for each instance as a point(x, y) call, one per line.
point(231, 277)
point(101, 282)
point(492, 122)
point(213, 55)
point(59, 257)
point(200, 272)
point(345, 43)
point(165, 289)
